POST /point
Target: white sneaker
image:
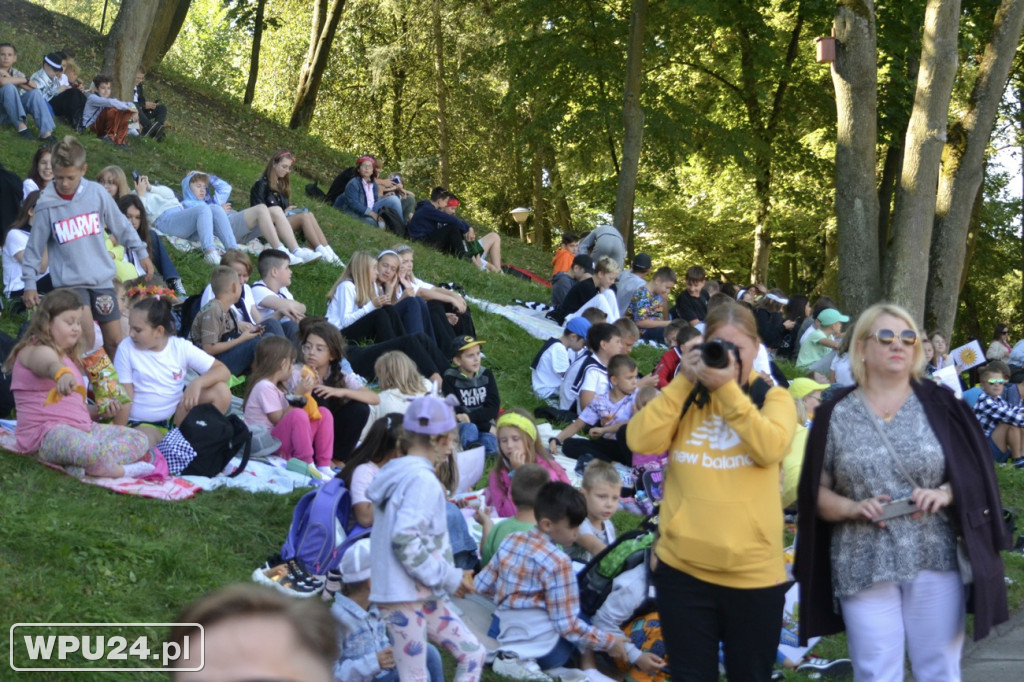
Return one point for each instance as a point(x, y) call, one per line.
point(307, 255)
point(569, 674)
point(329, 256)
point(212, 257)
point(507, 664)
point(294, 260)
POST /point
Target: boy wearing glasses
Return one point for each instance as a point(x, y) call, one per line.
point(1001, 423)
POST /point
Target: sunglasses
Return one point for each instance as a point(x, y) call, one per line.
point(996, 382)
point(908, 337)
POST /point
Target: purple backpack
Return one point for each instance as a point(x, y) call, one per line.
point(318, 536)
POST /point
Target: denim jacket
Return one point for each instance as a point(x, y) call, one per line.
point(361, 634)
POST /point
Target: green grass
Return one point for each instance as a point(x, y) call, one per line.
point(78, 553)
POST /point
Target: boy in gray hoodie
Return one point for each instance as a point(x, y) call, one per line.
point(410, 553)
point(69, 223)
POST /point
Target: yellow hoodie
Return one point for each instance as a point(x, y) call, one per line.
point(721, 517)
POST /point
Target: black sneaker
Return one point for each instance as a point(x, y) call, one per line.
point(817, 668)
point(289, 578)
point(25, 134)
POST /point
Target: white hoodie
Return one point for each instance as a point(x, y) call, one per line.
point(410, 554)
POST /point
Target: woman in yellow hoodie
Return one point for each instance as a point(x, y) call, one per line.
point(721, 576)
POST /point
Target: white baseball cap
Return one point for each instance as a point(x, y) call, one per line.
point(355, 564)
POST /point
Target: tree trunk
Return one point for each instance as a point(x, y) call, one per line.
point(855, 77)
point(170, 17)
point(766, 130)
point(633, 122)
point(563, 216)
point(891, 171)
point(962, 164)
point(325, 25)
point(254, 56)
point(926, 135)
point(539, 217)
point(125, 43)
point(440, 91)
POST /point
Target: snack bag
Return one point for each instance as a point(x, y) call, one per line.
point(106, 388)
point(311, 408)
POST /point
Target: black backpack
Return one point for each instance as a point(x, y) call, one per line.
point(189, 310)
point(216, 438)
point(393, 222)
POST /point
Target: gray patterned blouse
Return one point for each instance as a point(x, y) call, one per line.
point(860, 465)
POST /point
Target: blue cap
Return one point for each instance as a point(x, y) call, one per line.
point(578, 326)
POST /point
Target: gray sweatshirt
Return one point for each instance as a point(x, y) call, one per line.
point(410, 554)
point(73, 232)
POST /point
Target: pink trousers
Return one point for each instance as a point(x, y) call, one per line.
point(309, 440)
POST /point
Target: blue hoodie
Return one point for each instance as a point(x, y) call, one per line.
point(218, 191)
point(410, 554)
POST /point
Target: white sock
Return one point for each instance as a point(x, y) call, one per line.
point(138, 469)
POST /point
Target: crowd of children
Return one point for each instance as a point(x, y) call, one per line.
point(393, 448)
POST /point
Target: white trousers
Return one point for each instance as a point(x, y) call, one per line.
point(927, 613)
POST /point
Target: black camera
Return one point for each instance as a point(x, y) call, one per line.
point(715, 353)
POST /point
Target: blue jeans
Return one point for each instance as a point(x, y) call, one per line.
point(435, 668)
point(463, 545)
point(412, 310)
point(391, 202)
point(16, 103)
point(162, 261)
point(470, 433)
point(188, 223)
point(239, 358)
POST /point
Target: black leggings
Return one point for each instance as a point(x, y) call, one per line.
point(608, 449)
point(349, 419)
point(69, 105)
point(696, 616)
point(420, 348)
point(382, 324)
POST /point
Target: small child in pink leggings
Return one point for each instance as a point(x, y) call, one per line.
point(410, 553)
point(304, 436)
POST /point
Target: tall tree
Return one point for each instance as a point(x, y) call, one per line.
point(170, 16)
point(125, 44)
point(440, 90)
point(963, 166)
point(632, 121)
point(855, 77)
point(926, 135)
point(325, 26)
point(252, 17)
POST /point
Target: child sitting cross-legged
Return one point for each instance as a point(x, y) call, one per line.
point(518, 446)
point(554, 357)
point(305, 434)
point(476, 391)
point(601, 486)
point(1001, 423)
point(218, 332)
point(532, 581)
point(273, 300)
point(528, 480)
point(606, 415)
point(366, 649)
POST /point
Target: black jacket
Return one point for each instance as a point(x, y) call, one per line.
point(977, 507)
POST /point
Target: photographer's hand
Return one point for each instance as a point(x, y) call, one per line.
point(689, 359)
point(714, 378)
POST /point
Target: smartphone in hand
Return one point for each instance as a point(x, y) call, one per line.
point(901, 507)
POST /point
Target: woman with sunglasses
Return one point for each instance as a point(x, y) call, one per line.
point(1000, 347)
point(892, 581)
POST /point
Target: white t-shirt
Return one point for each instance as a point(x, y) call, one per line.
point(16, 242)
point(595, 380)
point(247, 299)
point(362, 477)
point(841, 367)
point(260, 291)
point(567, 396)
point(550, 369)
point(158, 377)
point(28, 186)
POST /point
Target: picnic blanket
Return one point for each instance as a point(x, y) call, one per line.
point(259, 476)
point(540, 327)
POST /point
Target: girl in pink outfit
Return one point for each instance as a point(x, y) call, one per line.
point(305, 433)
point(517, 445)
point(54, 421)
